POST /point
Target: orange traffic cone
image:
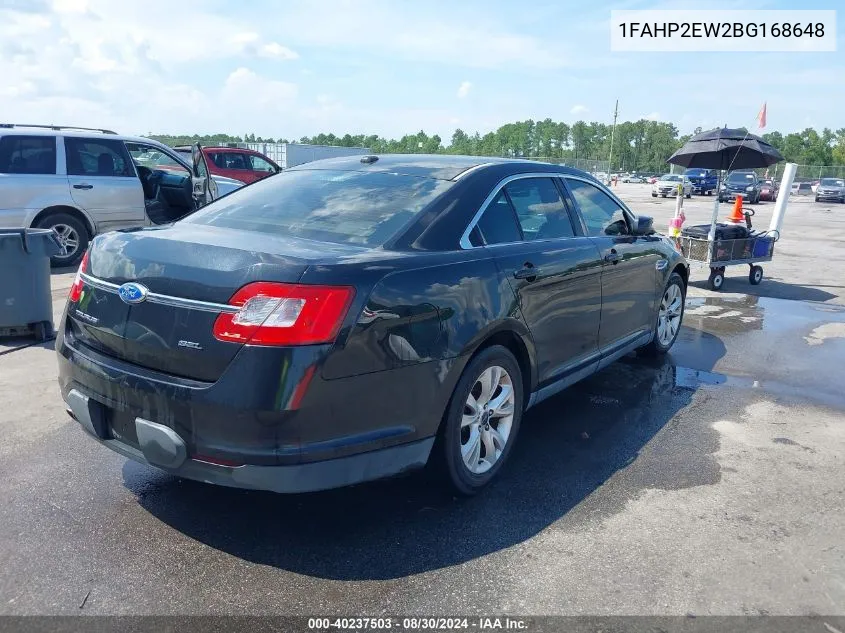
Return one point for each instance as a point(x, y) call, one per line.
point(736, 216)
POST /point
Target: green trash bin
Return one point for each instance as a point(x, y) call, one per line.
point(26, 304)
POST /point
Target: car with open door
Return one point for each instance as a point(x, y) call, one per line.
point(357, 318)
point(236, 163)
point(81, 182)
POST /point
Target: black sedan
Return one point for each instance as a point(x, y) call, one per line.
point(357, 318)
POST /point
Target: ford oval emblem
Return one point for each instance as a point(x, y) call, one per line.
point(132, 293)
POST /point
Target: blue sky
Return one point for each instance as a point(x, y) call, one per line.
point(290, 68)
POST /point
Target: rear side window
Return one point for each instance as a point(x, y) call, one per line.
point(498, 224)
point(602, 215)
point(539, 209)
point(344, 207)
point(97, 157)
point(28, 155)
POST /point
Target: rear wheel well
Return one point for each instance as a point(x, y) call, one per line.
point(683, 272)
point(44, 213)
point(510, 340)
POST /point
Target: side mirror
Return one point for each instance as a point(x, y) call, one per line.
point(645, 225)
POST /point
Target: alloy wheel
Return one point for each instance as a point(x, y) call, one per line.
point(487, 419)
point(68, 239)
point(669, 315)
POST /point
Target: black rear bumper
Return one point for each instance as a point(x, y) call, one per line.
point(250, 428)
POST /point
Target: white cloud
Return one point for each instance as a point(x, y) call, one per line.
point(579, 109)
point(277, 51)
point(463, 89)
point(652, 116)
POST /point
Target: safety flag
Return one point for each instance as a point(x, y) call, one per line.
point(761, 117)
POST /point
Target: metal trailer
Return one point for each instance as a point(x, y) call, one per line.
point(287, 155)
point(718, 254)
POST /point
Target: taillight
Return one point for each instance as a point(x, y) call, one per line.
point(76, 288)
point(285, 314)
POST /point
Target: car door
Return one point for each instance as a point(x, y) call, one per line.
point(205, 187)
point(629, 265)
point(102, 180)
point(236, 165)
point(554, 271)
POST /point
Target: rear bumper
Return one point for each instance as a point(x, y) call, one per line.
point(249, 429)
point(161, 447)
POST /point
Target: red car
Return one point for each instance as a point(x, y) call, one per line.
point(245, 165)
point(768, 190)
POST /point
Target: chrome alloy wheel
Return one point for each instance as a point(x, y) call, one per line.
point(669, 315)
point(487, 419)
point(68, 239)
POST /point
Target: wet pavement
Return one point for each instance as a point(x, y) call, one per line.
point(711, 482)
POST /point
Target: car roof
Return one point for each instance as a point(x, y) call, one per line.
point(23, 130)
point(439, 166)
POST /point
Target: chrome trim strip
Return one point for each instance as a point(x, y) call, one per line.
point(470, 170)
point(167, 300)
point(465, 244)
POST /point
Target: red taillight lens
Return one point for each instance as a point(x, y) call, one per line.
point(285, 314)
point(76, 288)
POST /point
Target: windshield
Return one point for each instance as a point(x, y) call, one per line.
point(741, 177)
point(343, 207)
point(671, 178)
point(832, 182)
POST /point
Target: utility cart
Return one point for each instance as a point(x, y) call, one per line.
point(720, 252)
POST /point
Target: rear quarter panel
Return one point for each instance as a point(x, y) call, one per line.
point(22, 196)
point(431, 317)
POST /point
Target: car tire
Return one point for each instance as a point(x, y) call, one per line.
point(470, 430)
point(654, 195)
point(817, 198)
point(670, 316)
point(73, 234)
point(689, 195)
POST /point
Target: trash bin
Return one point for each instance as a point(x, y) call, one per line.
point(26, 304)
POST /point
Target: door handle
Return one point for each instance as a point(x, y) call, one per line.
point(612, 257)
point(83, 186)
point(527, 272)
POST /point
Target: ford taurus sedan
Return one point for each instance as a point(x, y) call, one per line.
point(357, 318)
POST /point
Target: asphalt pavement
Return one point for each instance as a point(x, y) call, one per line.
point(712, 482)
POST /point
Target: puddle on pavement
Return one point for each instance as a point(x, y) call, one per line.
point(739, 313)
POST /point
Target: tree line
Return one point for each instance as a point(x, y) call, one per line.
point(637, 145)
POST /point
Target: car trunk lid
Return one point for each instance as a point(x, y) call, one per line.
point(187, 274)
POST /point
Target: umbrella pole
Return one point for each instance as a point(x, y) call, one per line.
point(712, 234)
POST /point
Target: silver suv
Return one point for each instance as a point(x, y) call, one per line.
point(80, 182)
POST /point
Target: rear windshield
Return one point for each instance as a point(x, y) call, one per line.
point(740, 176)
point(343, 207)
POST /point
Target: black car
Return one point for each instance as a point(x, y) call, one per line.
point(741, 183)
point(356, 318)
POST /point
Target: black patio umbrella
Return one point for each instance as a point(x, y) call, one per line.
point(726, 148)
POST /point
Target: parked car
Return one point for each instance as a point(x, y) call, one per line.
point(81, 182)
point(740, 183)
point(667, 185)
point(768, 190)
point(831, 189)
point(253, 343)
point(801, 189)
point(244, 165)
point(633, 178)
point(704, 181)
point(652, 179)
point(815, 185)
